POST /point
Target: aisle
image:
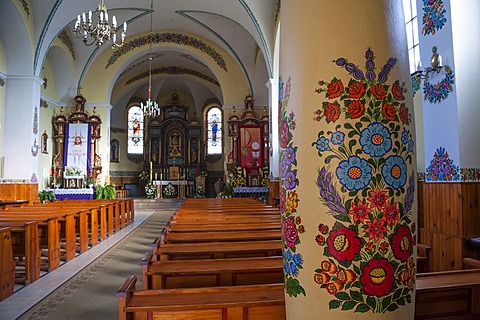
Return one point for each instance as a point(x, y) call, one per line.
point(85, 287)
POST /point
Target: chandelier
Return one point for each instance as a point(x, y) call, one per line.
point(100, 33)
point(150, 108)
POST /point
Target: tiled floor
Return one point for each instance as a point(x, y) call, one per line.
point(28, 296)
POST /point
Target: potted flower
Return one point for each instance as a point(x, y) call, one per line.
point(150, 190)
point(90, 181)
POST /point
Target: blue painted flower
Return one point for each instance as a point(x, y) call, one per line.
point(283, 168)
point(298, 259)
point(293, 269)
point(411, 145)
point(286, 266)
point(375, 140)
point(322, 143)
point(290, 180)
point(405, 136)
point(338, 137)
point(354, 173)
point(394, 172)
point(287, 254)
point(289, 156)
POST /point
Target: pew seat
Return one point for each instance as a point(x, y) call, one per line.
point(256, 302)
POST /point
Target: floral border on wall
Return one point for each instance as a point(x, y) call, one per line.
point(433, 16)
point(66, 39)
point(437, 92)
point(292, 226)
point(168, 37)
point(26, 7)
point(366, 185)
point(173, 70)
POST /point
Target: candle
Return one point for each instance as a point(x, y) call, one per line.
point(156, 176)
point(150, 170)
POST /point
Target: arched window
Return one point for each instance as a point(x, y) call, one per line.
point(214, 131)
point(135, 130)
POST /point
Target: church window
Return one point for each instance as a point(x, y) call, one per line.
point(135, 130)
point(411, 24)
point(214, 131)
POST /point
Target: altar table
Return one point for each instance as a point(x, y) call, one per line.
point(61, 194)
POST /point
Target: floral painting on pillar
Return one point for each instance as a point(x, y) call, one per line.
point(366, 182)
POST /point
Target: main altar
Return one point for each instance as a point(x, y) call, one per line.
point(174, 148)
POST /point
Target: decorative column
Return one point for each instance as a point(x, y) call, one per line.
point(20, 127)
point(347, 161)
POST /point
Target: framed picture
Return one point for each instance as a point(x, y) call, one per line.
point(251, 146)
point(44, 142)
point(114, 150)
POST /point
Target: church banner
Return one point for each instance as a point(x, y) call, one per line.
point(77, 150)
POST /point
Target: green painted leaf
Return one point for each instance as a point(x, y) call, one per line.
point(334, 304)
point(356, 295)
point(386, 302)
point(342, 296)
point(362, 307)
point(392, 307)
point(348, 305)
point(371, 302)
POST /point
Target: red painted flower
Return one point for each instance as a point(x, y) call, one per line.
point(375, 229)
point(377, 277)
point(328, 266)
point(284, 134)
point(391, 214)
point(334, 287)
point(321, 278)
point(343, 244)
point(360, 211)
point(356, 109)
point(290, 232)
point(379, 91)
point(320, 239)
point(323, 228)
point(389, 111)
point(402, 244)
point(334, 89)
point(356, 89)
point(404, 114)
point(378, 198)
point(332, 112)
point(397, 92)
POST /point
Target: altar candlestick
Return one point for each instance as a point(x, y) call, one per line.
point(150, 170)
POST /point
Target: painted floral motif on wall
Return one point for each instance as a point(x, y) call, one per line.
point(366, 182)
point(292, 223)
point(442, 168)
point(35, 121)
point(437, 92)
point(433, 16)
point(168, 37)
point(173, 70)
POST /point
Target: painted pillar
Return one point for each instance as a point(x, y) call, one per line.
point(20, 131)
point(347, 169)
point(272, 85)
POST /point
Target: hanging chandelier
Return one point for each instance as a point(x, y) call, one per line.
point(150, 108)
point(102, 32)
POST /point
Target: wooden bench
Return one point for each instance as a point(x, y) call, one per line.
point(216, 236)
point(7, 265)
point(210, 272)
point(257, 302)
point(445, 295)
point(221, 250)
point(424, 259)
point(470, 263)
point(231, 226)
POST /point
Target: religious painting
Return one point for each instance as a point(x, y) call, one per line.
point(77, 150)
point(114, 150)
point(251, 150)
point(175, 145)
point(44, 141)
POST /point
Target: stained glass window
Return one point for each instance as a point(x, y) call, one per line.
point(135, 130)
point(214, 131)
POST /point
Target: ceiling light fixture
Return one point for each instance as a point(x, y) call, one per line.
point(100, 33)
point(150, 108)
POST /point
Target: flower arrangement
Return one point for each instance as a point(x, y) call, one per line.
point(169, 190)
point(90, 180)
point(73, 172)
point(200, 192)
point(143, 175)
point(150, 190)
point(236, 177)
point(442, 168)
point(366, 187)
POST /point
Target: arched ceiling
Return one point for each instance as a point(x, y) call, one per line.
point(240, 31)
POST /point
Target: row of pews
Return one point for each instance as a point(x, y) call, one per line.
point(221, 259)
point(40, 237)
point(216, 259)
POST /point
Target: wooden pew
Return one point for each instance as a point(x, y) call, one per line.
point(215, 236)
point(471, 263)
point(424, 259)
point(7, 265)
point(257, 302)
point(231, 226)
point(445, 295)
point(210, 272)
point(25, 247)
point(221, 250)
